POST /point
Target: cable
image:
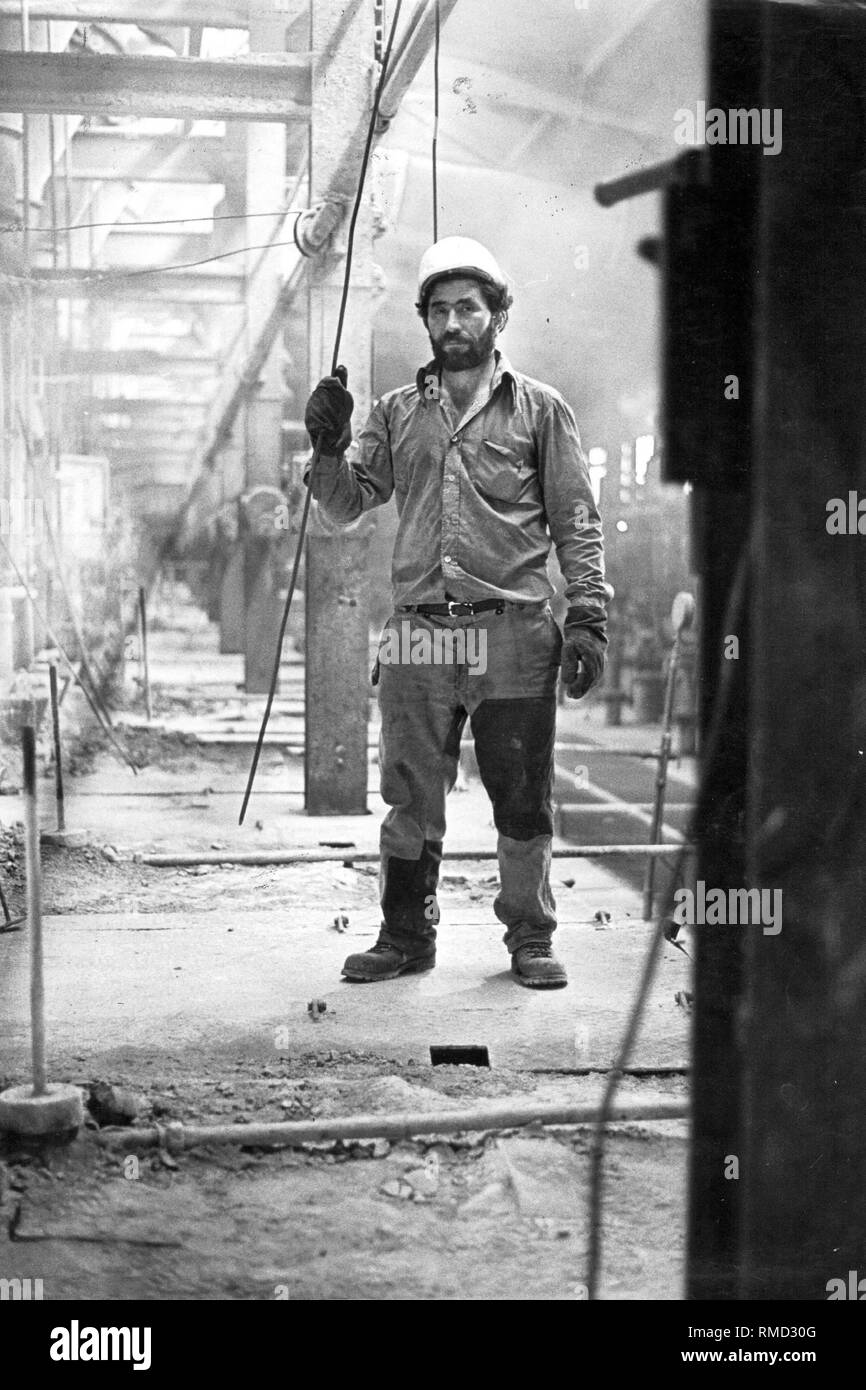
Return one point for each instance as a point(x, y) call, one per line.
point(109, 277)
point(106, 729)
point(350, 241)
point(52, 539)
point(736, 601)
point(145, 222)
point(436, 126)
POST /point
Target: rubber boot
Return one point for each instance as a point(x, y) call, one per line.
point(407, 937)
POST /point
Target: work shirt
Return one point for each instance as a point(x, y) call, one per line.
point(479, 504)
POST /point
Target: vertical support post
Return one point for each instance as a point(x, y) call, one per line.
point(231, 597)
point(337, 617)
point(709, 249)
point(804, 1016)
point(336, 678)
point(11, 261)
point(58, 759)
point(231, 604)
point(145, 663)
point(262, 415)
point(34, 911)
point(28, 480)
point(661, 780)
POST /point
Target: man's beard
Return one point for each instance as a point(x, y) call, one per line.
point(463, 356)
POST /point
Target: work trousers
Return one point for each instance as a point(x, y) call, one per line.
point(507, 690)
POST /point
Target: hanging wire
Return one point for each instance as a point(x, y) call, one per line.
point(436, 124)
point(350, 242)
point(111, 277)
point(435, 139)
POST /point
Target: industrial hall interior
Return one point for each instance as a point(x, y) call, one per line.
point(394, 402)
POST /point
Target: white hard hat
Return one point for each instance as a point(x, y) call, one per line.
point(458, 255)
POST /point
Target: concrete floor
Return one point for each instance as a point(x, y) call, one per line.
point(190, 987)
point(239, 955)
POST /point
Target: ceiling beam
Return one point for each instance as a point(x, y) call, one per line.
point(272, 88)
point(131, 362)
point(520, 95)
point(127, 452)
point(615, 41)
point(212, 14)
point(162, 473)
point(152, 158)
point(140, 407)
point(176, 287)
point(187, 175)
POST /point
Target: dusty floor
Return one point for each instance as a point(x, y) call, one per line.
point(471, 1217)
point(189, 986)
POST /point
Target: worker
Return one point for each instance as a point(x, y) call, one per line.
point(487, 469)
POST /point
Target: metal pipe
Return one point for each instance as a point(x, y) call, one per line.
point(291, 1133)
point(145, 664)
point(406, 63)
point(682, 617)
point(316, 856)
point(58, 764)
point(29, 622)
point(10, 923)
point(34, 911)
point(661, 780)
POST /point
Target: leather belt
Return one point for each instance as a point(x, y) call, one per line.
point(456, 608)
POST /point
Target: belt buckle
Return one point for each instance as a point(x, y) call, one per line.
point(453, 604)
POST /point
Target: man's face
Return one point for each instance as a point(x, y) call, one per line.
point(461, 327)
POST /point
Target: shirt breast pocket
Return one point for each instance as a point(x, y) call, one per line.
point(503, 471)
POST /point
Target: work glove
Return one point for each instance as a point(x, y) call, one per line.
point(583, 660)
point(328, 414)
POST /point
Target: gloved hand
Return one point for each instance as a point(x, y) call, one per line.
point(328, 414)
point(583, 660)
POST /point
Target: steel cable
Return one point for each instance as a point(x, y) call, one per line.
point(350, 242)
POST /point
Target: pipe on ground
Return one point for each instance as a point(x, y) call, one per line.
point(292, 1133)
point(349, 857)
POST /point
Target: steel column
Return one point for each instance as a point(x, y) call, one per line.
point(804, 1019)
point(337, 681)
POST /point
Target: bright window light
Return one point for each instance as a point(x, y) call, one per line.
point(644, 448)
